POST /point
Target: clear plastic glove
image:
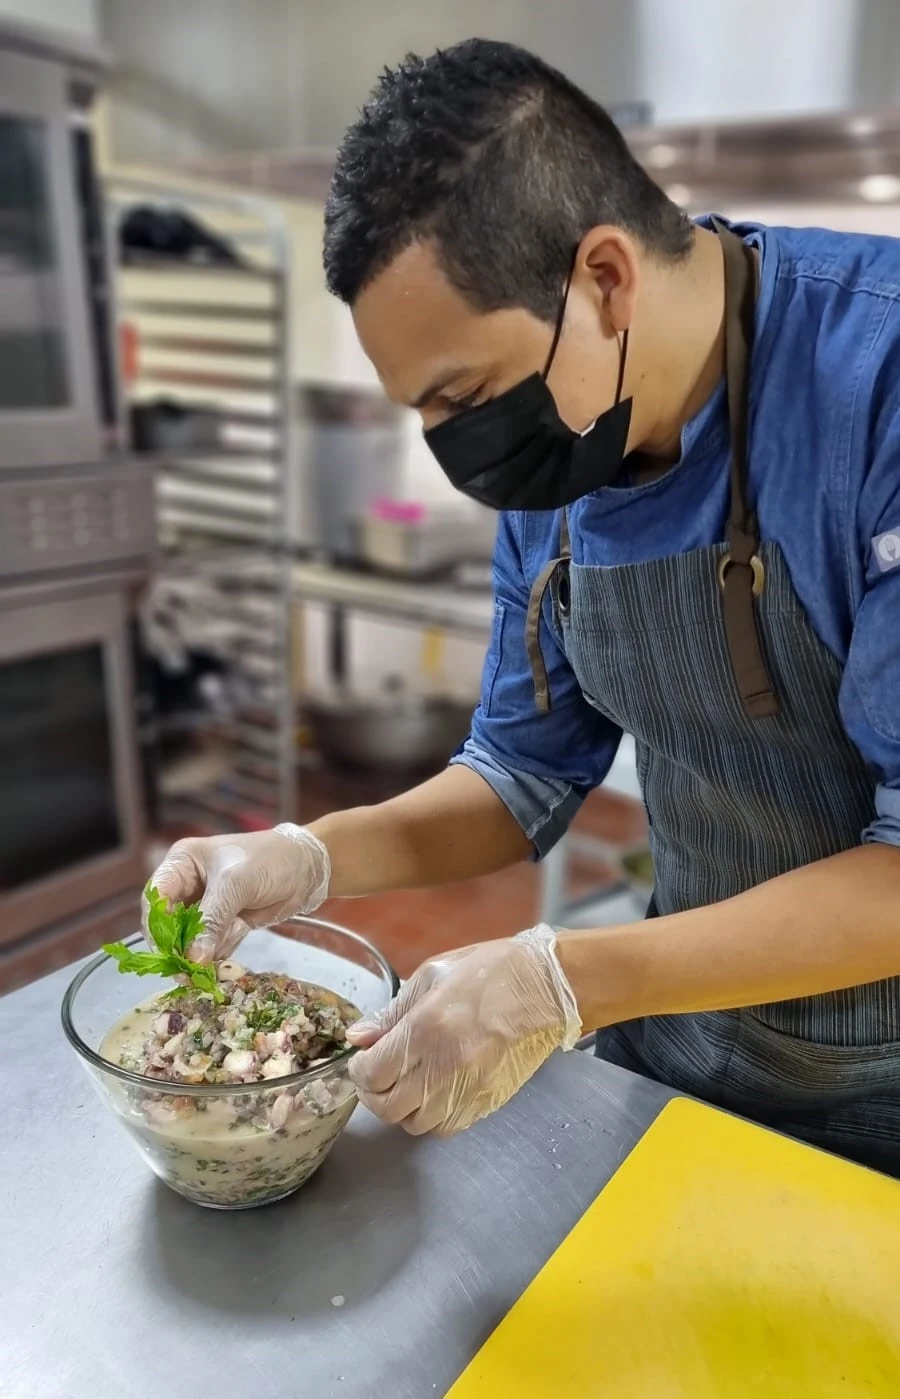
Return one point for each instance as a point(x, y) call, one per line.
point(244, 881)
point(464, 1034)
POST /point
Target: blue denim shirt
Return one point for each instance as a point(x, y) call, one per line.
point(825, 479)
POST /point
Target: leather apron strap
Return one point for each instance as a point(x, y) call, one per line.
point(547, 578)
point(741, 572)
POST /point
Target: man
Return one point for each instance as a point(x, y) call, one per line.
point(693, 435)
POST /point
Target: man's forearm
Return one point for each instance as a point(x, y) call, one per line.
point(452, 827)
point(821, 928)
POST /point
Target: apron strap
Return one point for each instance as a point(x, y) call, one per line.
point(741, 571)
point(544, 580)
point(565, 543)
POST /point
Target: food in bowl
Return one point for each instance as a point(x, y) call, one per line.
point(264, 1026)
point(247, 1147)
point(230, 1133)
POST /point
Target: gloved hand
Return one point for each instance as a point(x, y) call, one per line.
point(464, 1033)
point(244, 881)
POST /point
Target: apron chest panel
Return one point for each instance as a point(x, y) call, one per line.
point(732, 801)
point(709, 660)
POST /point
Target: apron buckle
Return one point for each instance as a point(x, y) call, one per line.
point(562, 589)
point(757, 569)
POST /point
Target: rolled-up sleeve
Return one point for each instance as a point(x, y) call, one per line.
point(870, 692)
point(541, 766)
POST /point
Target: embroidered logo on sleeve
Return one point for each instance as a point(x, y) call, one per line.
point(887, 550)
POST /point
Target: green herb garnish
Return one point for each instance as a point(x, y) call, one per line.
point(172, 930)
point(268, 1016)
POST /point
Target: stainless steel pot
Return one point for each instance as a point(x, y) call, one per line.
point(399, 733)
point(350, 450)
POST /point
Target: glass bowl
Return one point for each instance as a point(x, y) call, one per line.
point(235, 1145)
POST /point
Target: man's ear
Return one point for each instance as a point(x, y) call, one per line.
point(607, 269)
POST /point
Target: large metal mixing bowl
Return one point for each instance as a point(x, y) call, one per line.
point(397, 733)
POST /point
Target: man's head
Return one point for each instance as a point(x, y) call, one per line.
point(462, 194)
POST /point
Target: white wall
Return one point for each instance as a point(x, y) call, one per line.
point(201, 76)
point(207, 76)
point(705, 59)
point(78, 16)
point(350, 41)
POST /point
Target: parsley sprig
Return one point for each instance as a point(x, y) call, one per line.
point(271, 1014)
point(172, 930)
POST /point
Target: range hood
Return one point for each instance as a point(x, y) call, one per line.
point(846, 157)
point(835, 158)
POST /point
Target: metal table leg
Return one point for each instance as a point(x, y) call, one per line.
point(553, 870)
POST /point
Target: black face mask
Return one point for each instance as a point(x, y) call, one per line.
point(516, 453)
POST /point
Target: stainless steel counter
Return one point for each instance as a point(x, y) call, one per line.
point(383, 1275)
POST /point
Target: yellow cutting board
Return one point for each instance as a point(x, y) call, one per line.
point(720, 1262)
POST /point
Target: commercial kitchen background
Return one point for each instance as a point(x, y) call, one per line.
point(263, 649)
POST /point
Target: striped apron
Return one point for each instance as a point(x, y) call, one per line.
point(709, 660)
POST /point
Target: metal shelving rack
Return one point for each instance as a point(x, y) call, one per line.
point(216, 338)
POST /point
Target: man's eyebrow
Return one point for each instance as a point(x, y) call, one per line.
point(438, 384)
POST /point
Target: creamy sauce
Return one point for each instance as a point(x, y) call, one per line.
point(227, 1149)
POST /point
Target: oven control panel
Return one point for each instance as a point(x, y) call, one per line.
point(100, 517)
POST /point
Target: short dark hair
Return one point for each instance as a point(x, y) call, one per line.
point(500, 159)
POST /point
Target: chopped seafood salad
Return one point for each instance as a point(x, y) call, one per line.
point(246, 1147)
point(266, 1026)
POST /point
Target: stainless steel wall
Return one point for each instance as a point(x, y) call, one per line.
point(199, 77)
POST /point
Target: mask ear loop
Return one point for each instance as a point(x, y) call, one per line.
point(557, 332)
point(623, 355)
point(560, 317)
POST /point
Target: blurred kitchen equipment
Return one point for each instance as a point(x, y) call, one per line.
point(415, 539)
point(395, 730)
point(474, 577)
point(337, 645)
point(351, 446)
point(837, 169)
point(638, 873)
point(213, 401)
point(69, 771)
point(57, 400)
point(165, 425)
point(77, 527)
point(433, 655)
point(156, 231)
